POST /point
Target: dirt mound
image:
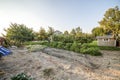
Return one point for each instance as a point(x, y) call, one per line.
point(56, 64)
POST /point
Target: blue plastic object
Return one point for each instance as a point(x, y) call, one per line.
point(4, 51)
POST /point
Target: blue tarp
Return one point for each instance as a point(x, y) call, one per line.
point(4, 51)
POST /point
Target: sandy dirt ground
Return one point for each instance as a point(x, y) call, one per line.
point(56, 64)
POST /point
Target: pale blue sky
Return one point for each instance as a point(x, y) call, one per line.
point(60, 14)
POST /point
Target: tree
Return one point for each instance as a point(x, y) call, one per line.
point(73, 32)
point(78, 32)
point(42, 35)
point(19, 32)
point(66, 33)
point(111, 21)
point(50, 34)
point(98, 31)
point(50, 31)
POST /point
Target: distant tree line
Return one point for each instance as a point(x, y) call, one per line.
point(19, 33)
point(110, 24)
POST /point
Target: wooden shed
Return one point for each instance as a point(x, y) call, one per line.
point(107, 40)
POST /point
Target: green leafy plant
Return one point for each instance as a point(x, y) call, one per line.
point(21, 76)
point(53, 44)
point(18, 33)
point(85, 49)
point(67, 46)
point(60, 45)
point(75, 47)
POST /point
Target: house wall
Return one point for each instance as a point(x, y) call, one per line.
point(106, 42)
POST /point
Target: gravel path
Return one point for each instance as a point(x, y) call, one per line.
point(61, 65)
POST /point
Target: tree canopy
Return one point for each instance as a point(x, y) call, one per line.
point(111, 21)
point(19, 32)
point(98, 31)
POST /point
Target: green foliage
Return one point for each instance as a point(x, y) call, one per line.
point(50, 31)
point(36, 43)
point(73, 32)
point(16, 43)
point(34, 48)
point(67, 46)
point(66, 33)
point(58, 38)
point(109, 48)
point(85, 49)
point(94, 44)
point(75, 47)
point(111, 21)
point(21, 76)
point(63, 38)
point(60, 45)
point(98, 31)
point(6, 43)
point(67, 39)
point(42, 35)
point(19, 32)
point(91, 50)
point(53, 44)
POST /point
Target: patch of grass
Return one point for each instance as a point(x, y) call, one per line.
point(36, 43)
point(48, 72)
point(34, 48)
point(21, 76)
point(109, 48)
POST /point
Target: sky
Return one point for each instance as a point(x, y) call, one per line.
point(60, 14)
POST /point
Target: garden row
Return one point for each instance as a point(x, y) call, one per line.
point(75, 47)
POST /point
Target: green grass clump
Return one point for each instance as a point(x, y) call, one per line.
point(21, 76)
point(35, 48)
point(109, 48)
point(36, 43)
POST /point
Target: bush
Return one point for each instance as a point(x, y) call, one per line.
point(90, 50)
point(19, 32)
point(60, 45)
point(53, 44)
point(67, 46)
point(16, 43)
point(75, 47)
point(21, 76)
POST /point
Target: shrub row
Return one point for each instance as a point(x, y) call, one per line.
point(76, 47)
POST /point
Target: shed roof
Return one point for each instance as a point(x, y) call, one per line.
point(105, 37)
